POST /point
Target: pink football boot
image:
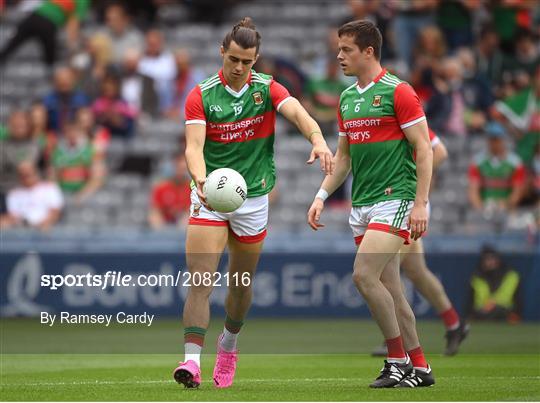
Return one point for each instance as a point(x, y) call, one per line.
point(225, 366)
point(188, 374)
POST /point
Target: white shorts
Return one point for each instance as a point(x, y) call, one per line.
point(388, 216)
point(247, 224)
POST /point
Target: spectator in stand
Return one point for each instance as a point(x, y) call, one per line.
point(322, 95)
point(536, 184)
point(496, 176)
point(520, 113)
point(44, 22)
point(98, 135)
point(17, 146)
point(74, 164)
point(170, 199)
point(477, 92)
point(446, 108)
point(33, 203)
point(138, 89)
point(91, 65)
point(428, 54)
point(320, 64)
point(121, 32)
point(489, 58)
point(45, 138)
point(509, 16)
point(520, 66)
point(455, 18)
point(112, 112)
point(495, 290)
point(284, 71)
point(158, 63)
point(536, 173)
point(64, 100)
point(411, 18)
point(187, 77)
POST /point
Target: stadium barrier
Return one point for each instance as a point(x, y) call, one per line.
point(294, 284)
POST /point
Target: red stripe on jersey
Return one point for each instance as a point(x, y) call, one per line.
point(373, 130)
point(253, 128)
point(497, 183)
point(68, 6)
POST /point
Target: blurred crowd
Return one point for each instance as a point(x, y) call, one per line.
point(474, 63)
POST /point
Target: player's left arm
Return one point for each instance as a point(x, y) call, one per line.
point(412, 121)
point(418, 137)
point(295, 113)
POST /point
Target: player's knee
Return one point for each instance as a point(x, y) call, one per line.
point(363, 281)
point(201, 291)
point(239, 290)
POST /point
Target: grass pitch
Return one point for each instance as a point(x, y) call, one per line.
point(497, 362)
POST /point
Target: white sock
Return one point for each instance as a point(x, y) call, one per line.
point(398, 360)
point(228, 341)
point(192, 352)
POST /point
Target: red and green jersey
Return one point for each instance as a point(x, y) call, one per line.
point(523, 111)
point(496, 176)
point(373, 118)
point(73, 165)
point(239, 126)
point(59, 11)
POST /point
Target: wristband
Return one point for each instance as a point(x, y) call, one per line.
point(314, 132)
point(322, 194)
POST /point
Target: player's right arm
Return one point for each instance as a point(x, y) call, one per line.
point(195, 138)
point(342, 161)
point(440, 154)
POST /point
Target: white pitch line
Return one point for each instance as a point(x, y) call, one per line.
point(273, 380)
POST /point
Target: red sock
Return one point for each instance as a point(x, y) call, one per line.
point(417, 358)
point(395, 348)
point(450, 318)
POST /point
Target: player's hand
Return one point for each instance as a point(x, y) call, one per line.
point(200, 193)
point(314, 214)
point(418, 221)
point(321, 151)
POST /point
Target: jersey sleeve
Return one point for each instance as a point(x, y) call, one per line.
point(407, 106)
point(279, 94)
point(194, 110)
point(433, 138)
point(474, 174)
point(518, 176)
point(341, 127)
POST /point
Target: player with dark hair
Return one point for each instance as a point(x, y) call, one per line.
point(381, 127)
point(230, 122)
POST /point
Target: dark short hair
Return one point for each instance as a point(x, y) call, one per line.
point(244, 34)
point(365, 34)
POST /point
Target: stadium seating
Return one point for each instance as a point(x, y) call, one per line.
point(123, 201)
